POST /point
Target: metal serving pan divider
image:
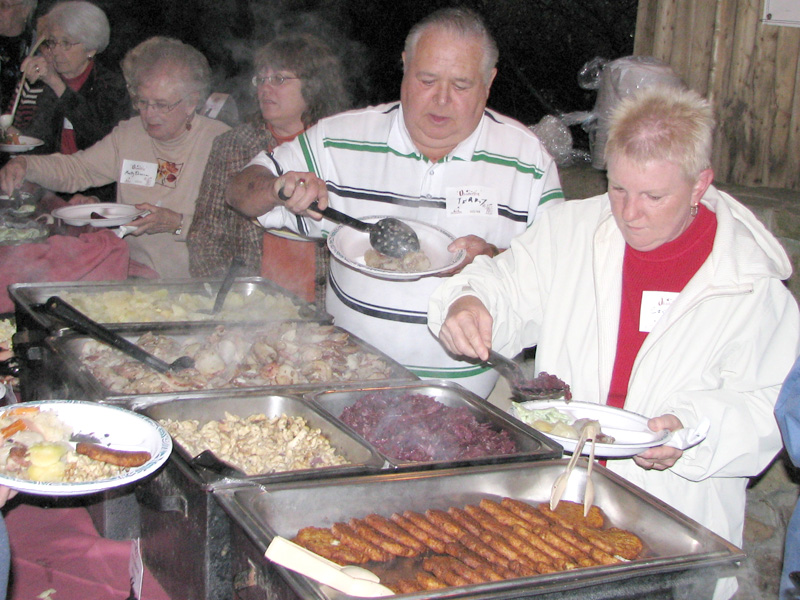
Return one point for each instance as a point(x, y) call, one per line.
point(186, 536)
point(82, 384)
point(27, 296)
point(682, 559)
point(531, 444)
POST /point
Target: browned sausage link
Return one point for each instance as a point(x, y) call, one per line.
point(459, 568)
point(470, 524)
point(428, 581)
point(558, 558)
point(527, 512)
point(501, 540)
point(347, 536)
point(323, 542)
point(506, 517)
point(381, 541)
point(473, 560)
point(486, 551)
point(444, 522)
point(443, 572)
point(120, 458)
point(430, 541)
point(424, 524)
point(395, 532)
point(405, 586)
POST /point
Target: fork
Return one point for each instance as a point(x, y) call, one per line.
point(560, 484)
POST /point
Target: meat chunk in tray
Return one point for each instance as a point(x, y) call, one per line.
point(484, 542)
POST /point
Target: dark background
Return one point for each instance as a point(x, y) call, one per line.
point(543, 43)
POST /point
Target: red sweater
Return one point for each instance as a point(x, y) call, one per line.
point(668, 268)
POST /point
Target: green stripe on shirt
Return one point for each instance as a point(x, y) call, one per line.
point(507, 161)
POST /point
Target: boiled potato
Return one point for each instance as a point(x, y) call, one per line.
point(42, 455)
point(51, 472)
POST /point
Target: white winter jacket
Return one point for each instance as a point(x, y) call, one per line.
point(721, 350)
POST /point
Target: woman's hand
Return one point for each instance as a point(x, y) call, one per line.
point(81, 199)
point(660, 458)
point(6, 494)
point(160, 220)
point(467, 330)
point(474, 246)
point(38, 68)
point(13, 175)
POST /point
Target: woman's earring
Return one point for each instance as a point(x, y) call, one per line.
point(693, 210)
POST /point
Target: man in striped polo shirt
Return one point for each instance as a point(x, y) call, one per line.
point(437, 156)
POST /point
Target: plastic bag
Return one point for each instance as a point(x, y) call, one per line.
point(553, 131)
point(616, 80)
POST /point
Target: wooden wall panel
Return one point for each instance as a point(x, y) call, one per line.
point(749, 71)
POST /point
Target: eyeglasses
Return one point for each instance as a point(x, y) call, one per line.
point(53, 44)
point(9, 5)
point(160, 108)
point(274, 80)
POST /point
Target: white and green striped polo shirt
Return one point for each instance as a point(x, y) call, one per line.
point(371, 167)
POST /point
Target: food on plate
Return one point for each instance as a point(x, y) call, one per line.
point(273, 354)
point(477, 543)
point(412, 262)
point(555, 422)
point(11, 138)
point(541, 387)
point(7, 330)
point(144, 305)
point(36, 447)
point(416, 427)
point(257, 444)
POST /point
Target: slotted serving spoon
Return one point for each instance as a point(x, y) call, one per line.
point(388, 236)
point(64, 311)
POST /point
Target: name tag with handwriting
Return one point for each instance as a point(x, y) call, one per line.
point(471, 201)
point(138, 172)
point(654, 305)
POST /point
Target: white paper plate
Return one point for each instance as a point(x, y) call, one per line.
point(349, 246)
point(115, 214)
point(628, 429)
point(26, 143)
point(114, 427)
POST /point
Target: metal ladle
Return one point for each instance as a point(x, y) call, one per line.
point(69, 314)
point(388, 236)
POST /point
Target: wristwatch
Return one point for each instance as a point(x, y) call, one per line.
point(179, 230)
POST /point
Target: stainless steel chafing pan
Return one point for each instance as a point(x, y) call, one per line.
point(531, 445)
point(681, 558)
point(27, 296)
point(204, 409)
point(66, 351)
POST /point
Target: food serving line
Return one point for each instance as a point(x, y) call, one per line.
point(205, 526)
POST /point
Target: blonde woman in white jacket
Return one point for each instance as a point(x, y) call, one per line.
point(583, 284)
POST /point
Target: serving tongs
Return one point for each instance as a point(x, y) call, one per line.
point(64, 311)
point(588, 432)
point(352, 580)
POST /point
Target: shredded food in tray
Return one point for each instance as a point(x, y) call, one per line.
point(257, 444)
point(7, 331)
point(144, 306)
point(35, 447)
point(285, 353)
point(488, 541)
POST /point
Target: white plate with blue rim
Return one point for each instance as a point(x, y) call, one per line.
point(349, 246)
point(629, 429)
point(26, 143)
point(102, 214)
point(113, 427)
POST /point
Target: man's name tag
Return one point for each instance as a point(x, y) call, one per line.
point(138, 172)
point(654, 304)
point(472, 201)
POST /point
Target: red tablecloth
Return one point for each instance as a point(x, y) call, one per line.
point(95, 256)
point(60, 549)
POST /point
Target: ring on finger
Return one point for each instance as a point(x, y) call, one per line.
point(36, 69)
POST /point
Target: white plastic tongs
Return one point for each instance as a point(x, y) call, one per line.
point(351, 580)
point(588, 431)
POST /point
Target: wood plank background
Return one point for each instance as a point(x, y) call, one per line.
point(751, 73)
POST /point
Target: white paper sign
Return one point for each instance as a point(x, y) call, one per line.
point(138, 172)
point(472, 201)
point(654, 304)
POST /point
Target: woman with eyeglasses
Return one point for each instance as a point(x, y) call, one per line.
point(157, 159)
point(298, 80)
point(82, 100)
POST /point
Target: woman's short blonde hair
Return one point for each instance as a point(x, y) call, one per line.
point(663, 123)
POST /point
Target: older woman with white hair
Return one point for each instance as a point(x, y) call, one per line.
point(82, 100)
point(157, 159)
